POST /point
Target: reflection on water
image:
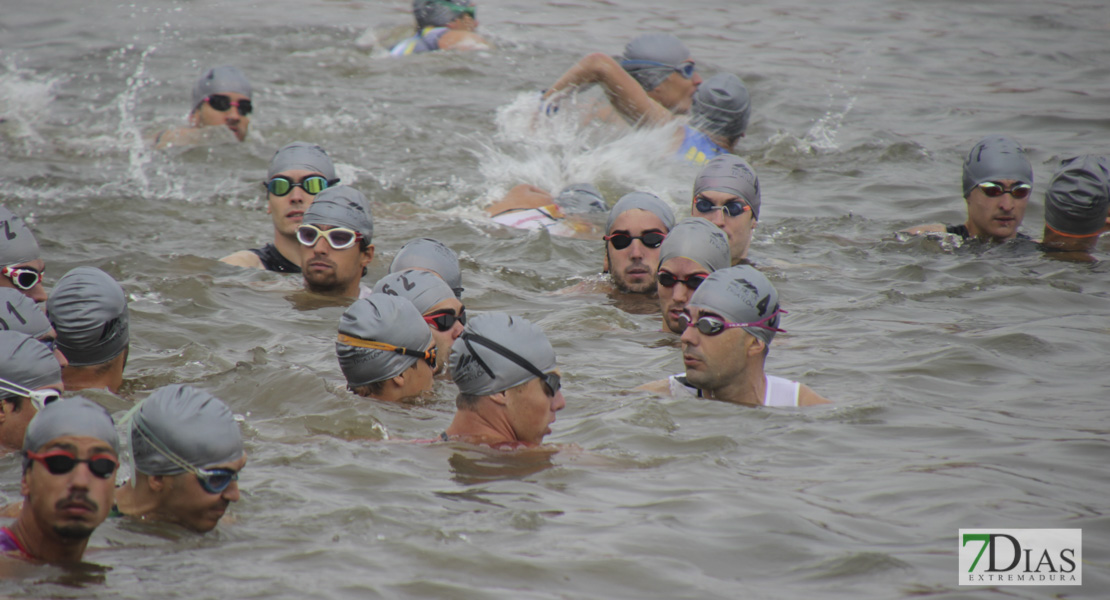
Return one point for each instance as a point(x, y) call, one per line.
point(476, 467)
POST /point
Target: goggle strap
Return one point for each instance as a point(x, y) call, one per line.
point(360, 343)
point(503, 351)
point(149, 437)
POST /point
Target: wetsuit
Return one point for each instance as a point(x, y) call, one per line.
point(697, 148)
point(779, 392)
point(9, 544)
point(272, 260)
point(425, 41)
point(960, 229)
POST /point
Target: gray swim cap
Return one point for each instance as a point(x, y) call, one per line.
point(89, 311)
point(1078, 196)
point(380, 318)
point(480, 370)
point(580, 198)
point(220, 80)
point(20, 313)
point(423, 288)
point(996, 157)
point(730, 174)
point(642, 201)
point(76, 416)
point(653, 48)
point(27, 362)
point(426, 253)
point(18, 244)
point(341, 206)
point(698, 240)
point(740, 294)
point(178, 425)
point(721, 106)
point(436, 13)
point(301, 156)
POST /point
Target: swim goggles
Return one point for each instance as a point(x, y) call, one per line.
point(650, 239)
point(732, 208)
point(443, 321)
point(338, 238)
point(994, 190)
point(457, 9)
point(60, 462)
point(428, 355)
point(692, 282)
point(224, 103)
point(23, 278)
point(551, 381)
point(313, 184)
point(686, 68)
point(40, 398)
point(714, 325)
point(214, 481)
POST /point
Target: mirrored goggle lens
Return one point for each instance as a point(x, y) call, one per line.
point(216, 480)
point(338, 238)
point(705, 325)
point(313, 184)
point(732, 208)
point(692, 282)
point(994, 190)
point(23, 278)
point(651, 239)
point(60, 464)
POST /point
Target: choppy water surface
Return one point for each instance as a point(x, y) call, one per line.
point(970, 385)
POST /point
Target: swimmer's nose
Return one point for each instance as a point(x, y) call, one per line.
point(696, 79)
point(456, 330)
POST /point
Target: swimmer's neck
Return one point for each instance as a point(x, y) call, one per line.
point(748, 389)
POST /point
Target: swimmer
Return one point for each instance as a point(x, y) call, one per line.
point(730, 322)
point(70, 457)
point(637, 226)
point(89, 311)
point(427, 254)
point(726, 192)
point(30, 378)
point(1076, 205)
point(221, 98)
point(19, 313)
point(298, 172)
point(531, 207)
point(442, 25)
point(997, 182)
point(385, 349)
point(335, 235)
point(719, 113)
point(188, 453)
point(509, 387)
point(21, 264)
point(693, 249)
point(444, 314)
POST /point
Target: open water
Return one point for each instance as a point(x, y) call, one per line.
point(970, 385)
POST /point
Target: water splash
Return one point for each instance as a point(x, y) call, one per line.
point(128, 130)
point(25, 99)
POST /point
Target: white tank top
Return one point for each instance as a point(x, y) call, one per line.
point(780, 392)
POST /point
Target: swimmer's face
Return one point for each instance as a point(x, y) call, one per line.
point(287, 211)
point(633, 268)
point(36, 293)
point(739, 228)
point(72, 504)
point(463, 23)
point(206, 116)
point(530, 411)
point(334, 272)
point(676, 93)
point(52, 336)
point(185, 502)
point(14, 423)
point(418, 377)
point(714, 362)
point(672, 300)
point(444, 339)
point(996, 218)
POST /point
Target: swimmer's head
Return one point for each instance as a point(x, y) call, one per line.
point(18, 245)
point(722, 107)
point(666, 51)
point(342, 206)
point(77, 417)
point(698, 240)
point(995, 158)
point(641, 201)
point(730, 174)
point(438, 13)
point(222, 96)
point(423, 288)
point(302, 156)
point(89, 310)
point(741, 294)
point(433, 255)
point(20, 313)
point(220, 80)
point(580, 198)
point(1078, 196)
point(179, 426)
point(27, 362)
point(492, 353)
point(383, 319)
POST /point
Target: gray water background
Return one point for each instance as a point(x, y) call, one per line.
point(970, 386)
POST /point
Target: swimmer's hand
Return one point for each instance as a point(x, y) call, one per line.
point(549, 102)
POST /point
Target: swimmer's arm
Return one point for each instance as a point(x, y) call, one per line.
point(930, 228)
point(808, 397)
point(463, 40)
point(178, 136)
point(521, 196)
point(661, 387)
point(622, 90)
point(243, 258)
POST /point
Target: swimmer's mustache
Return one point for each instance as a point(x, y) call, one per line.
point(79, 498)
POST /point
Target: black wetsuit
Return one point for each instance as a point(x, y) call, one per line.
point(272, 260)
point(961, 230)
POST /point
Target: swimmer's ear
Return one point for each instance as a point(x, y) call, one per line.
point(368, 255)
point(156, 482)
point(499, 398)
point(605, 265)
point(754, 346)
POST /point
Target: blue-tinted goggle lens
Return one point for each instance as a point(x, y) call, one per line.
point(215, 481)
